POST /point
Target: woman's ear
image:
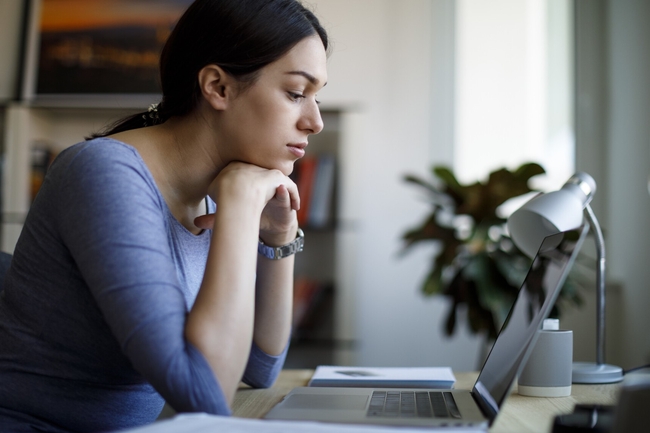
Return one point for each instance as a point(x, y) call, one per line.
point(216, 86)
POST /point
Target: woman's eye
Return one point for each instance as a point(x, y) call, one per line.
point(295, 96)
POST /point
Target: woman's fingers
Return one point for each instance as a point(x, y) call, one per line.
point(205, 222)
point(271, 192)
point(287, 194)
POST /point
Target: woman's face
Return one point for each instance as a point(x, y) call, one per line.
point(269, 123)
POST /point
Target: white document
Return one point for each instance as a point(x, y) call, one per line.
point(203, 423)
point(383, 377)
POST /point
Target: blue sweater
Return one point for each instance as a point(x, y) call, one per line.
point(93, 312)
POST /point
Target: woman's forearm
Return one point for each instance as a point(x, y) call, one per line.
point(229, 312)
point(274, 300)
point(220, 324)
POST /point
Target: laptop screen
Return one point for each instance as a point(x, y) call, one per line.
point(536, 297)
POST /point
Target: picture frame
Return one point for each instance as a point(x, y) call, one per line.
point(95, 53)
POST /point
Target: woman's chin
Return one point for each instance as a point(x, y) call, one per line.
point(286, 168)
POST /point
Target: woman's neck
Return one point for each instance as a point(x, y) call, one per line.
point(176, 153)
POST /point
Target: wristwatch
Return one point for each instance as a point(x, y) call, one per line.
point(277, 253)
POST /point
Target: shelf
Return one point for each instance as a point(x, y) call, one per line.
point(139, 102)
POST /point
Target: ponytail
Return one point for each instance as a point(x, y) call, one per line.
point(155, 115)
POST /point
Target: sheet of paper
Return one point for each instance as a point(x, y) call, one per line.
point(424, 377)
point(203, 423)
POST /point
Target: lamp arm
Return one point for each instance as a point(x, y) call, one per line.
point(600, 285)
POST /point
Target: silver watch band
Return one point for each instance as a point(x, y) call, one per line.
point(277, 253)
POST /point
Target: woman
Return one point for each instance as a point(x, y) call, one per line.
point(143, 269)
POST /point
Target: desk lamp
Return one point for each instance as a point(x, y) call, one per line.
point(554, 212)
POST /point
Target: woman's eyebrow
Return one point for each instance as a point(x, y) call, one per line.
point(315, 81)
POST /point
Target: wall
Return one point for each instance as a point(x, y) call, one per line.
point(385, 55)
point(628, 168)
point(613, 99)
point(500, 85)
point(10, 27)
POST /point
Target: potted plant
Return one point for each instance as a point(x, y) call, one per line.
point(477, 265)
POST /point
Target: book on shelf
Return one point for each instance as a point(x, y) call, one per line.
point(308, 297)
point(42, 156)
point(314, 177)
point(323, 189)
point(383, 377)
point(306, 171)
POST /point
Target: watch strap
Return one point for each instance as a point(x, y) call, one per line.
point(277, 253)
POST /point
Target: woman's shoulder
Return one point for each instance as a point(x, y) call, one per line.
point(101, 161)
point(102, 155)
point(102, 148)
point(104, 169)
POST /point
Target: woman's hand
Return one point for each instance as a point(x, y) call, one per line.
point(279, 222)
point(269, 190)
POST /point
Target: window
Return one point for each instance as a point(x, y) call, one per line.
point(514, 88)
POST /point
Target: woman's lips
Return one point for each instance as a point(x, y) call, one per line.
point(298, 149)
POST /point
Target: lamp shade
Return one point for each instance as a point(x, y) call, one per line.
point(551, 213)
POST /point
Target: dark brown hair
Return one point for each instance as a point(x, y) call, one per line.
point(240, 36)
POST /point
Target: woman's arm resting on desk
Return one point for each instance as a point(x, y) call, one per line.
point(221, 323)
point(273, 304)
point(274, 284)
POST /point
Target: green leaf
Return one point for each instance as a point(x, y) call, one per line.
point(528, 170)
point(433, 283)
point(447, 176)
point(475, 319)
point(450, 322)
point(429, 230)
point(494, 291)
point(421, 182)
point(473, 202)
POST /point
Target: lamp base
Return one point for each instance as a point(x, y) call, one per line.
point(590, 372)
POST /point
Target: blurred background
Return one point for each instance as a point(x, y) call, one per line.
point(474, 85)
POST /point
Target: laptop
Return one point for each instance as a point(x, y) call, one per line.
point(444, 408)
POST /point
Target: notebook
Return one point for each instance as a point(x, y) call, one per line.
point(383, 377)
point(444, 409)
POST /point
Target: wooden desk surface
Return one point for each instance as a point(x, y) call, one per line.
point(519, 414)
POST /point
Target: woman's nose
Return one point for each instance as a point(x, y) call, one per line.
point(312, 120)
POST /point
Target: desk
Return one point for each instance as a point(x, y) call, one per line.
point(519, 414)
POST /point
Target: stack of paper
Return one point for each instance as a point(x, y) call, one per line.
point(384, 377)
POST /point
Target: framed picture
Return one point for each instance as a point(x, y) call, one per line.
point(96, 52)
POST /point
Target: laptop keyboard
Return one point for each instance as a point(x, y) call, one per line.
point(412, 404)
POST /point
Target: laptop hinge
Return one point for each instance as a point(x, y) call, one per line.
point(487, 410)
